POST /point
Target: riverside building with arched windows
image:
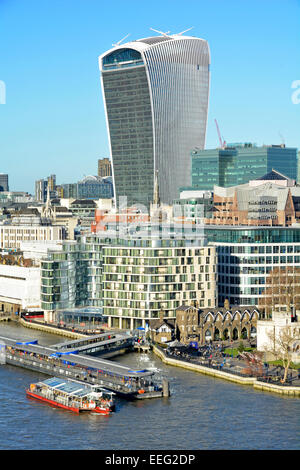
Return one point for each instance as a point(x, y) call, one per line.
point(220, 323)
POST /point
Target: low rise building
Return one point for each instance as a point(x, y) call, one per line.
point(64, 217)
point(11, 236)
point(162, 330)
point(206, 325)
point(271, 200)
point(20, 284)
point(194, 205)
point(36, 250)
point(83, 208)
point(269, 330)
point(106, 218)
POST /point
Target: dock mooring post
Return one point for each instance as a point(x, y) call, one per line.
point(2, 353)
point(166, 389)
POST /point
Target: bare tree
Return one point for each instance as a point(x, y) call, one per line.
point(253, 363)
point(282, 344)
point(282, 290)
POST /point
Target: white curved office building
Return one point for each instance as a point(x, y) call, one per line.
point(155, 92)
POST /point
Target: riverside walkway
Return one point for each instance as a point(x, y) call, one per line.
point(125, 382)
point(232, 373)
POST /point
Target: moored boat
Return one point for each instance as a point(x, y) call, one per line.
point(73, 395)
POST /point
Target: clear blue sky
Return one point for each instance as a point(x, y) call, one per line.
point(53, 120)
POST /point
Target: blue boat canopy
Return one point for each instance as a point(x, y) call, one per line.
point(29, 342)
point(59, 354)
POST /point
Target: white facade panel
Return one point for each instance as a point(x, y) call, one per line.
point(20, 285)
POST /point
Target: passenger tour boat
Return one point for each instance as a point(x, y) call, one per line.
point(73, 396)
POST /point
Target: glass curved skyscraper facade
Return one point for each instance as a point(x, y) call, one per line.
point(155, 93)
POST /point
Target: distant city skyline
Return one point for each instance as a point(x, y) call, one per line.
point(52, 120)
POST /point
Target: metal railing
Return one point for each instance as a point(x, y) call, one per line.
point(209, 364)
point(57, 367)
point(205, 363)
point(58, 326)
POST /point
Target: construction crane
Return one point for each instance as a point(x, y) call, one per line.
point(222, 142)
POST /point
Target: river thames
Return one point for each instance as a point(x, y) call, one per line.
point(202, 413)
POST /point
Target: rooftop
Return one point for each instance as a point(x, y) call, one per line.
point(75, 388)
point(273, 176)
point(155, 39)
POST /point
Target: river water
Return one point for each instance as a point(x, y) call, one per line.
point(203, 413)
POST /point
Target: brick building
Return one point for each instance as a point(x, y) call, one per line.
point(270, 200)
point(205, 325)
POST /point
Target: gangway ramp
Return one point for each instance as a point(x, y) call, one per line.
point(116, 377)
point(104, 344)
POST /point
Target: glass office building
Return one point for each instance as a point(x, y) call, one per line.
point(91, 187)
point(72, 277)
point(140, 281)
point(247, 256)
point(155, 93)
point(131, 278)
point(4, 182)
point(238, 164)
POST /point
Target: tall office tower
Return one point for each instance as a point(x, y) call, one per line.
point(4, 182)
point(104, 167)
point(41, 190)
point(155, 93)
point(51, 182)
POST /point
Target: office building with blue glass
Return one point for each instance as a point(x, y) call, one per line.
point(4, 182)
point(90, 187)
point(239, 163)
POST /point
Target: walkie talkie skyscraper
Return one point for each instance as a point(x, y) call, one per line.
point(155, 92)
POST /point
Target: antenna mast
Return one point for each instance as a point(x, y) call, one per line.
point(182, 32)
point(121, 40)
point(160, 32)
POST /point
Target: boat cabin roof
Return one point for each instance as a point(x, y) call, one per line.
point(70, 388)
point(85, 361)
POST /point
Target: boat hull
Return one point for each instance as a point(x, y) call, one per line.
point(51, 402)
point(35, 396)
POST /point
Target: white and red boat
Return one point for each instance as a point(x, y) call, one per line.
point(72, 395)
